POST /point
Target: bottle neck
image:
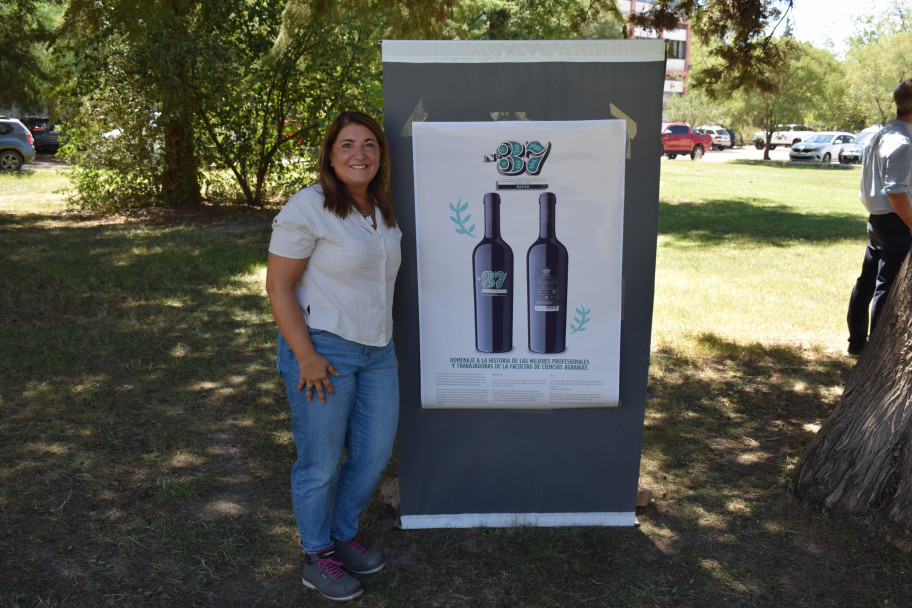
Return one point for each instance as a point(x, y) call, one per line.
point(492, 215)
point(546, 213)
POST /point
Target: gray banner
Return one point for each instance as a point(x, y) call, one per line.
point(544, 467)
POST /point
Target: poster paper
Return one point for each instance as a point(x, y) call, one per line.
point(538, 365)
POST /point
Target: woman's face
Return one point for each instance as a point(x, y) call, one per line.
point(355, 157)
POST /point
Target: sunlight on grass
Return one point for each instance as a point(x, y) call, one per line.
point(33, 191)
point(739, 260)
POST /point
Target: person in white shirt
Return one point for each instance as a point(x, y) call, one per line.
point(333, 260)
point(885, 182)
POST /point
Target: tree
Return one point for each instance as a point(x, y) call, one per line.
point(237, 85)
point(144, 50)
point(248, 85)
point(26, 29)
point(695, 108)
point(739, 34)
point(798, 84)
point(874, 67)
point(536, 19)
point(861, 458)
point(268, 102)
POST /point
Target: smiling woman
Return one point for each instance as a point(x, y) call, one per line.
point(332, 265)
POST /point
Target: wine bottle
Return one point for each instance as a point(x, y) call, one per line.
point(492, 265)
point(546, 263)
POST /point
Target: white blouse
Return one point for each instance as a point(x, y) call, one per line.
point(347, 287)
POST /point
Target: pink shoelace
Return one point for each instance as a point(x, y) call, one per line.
point(354, 545)
point(330, 566)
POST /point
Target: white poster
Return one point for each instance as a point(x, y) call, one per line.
point(519, 234)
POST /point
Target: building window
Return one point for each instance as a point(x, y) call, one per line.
point(677, 49)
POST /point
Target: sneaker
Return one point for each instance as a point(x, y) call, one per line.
point(324, 573)
point(854, 350)
point(355, 558)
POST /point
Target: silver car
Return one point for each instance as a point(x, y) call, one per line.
point(17, 146)
point(820, 147)
point(851, 153)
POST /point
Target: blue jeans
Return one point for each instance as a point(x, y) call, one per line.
point(361, 417)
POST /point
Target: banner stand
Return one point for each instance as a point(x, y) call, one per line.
point(529, 464)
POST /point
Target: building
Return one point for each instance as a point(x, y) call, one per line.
point(678, 63)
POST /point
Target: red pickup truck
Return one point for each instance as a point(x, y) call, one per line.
point(680, 138)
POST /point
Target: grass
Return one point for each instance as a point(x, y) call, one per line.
point(145, 447)
point(727, 234)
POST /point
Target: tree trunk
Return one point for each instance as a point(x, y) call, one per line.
point(861, 459)
point(180, 175)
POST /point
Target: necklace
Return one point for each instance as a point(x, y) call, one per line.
point(367, 214)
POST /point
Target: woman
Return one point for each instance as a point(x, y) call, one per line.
point(333, 260)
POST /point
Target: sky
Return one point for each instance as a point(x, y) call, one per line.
point(815, 21)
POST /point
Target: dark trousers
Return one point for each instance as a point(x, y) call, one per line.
point(896, 241)
point(863, 293)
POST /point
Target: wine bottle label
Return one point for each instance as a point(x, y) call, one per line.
point(547, 292)
point(492, 282)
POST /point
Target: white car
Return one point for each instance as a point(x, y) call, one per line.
point(820, 147)
point(721, 138)
point(851, 153)
point(784, 135)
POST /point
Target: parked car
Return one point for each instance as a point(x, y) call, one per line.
point(784, 135)
point(48, 137)
point(851, 153)
point(680, 138)
point(821, 147)
point(17, 146)
point(720, 137)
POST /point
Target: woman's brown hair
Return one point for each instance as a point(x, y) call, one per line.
point(336, 196)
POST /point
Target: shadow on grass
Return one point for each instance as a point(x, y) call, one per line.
point(718, 221)
point(143, 430)
point(723, 429)
point(146, 455)
point(791, 164)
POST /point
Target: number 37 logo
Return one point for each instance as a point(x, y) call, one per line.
point(514, 158)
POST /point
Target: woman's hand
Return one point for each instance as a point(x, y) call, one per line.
point(282, 274)
point(315, 377)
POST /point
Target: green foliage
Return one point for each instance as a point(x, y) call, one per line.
point(243, 88)
point(26, 29)
point(739, 32)
point(266, 107)
point(536, 19)
point(800, 88)
point(115, 148)
point(247, 87)
point(695, 108)
point(496, 19)
point(874, 69)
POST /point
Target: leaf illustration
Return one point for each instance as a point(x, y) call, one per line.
point(460, 221)
point(581, 320)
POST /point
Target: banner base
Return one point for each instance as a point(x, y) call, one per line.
point(506, 520)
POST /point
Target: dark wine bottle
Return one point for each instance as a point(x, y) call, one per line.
point(547, 284)
point(492, 265)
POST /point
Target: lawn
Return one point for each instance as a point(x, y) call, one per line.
point(144, 434)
